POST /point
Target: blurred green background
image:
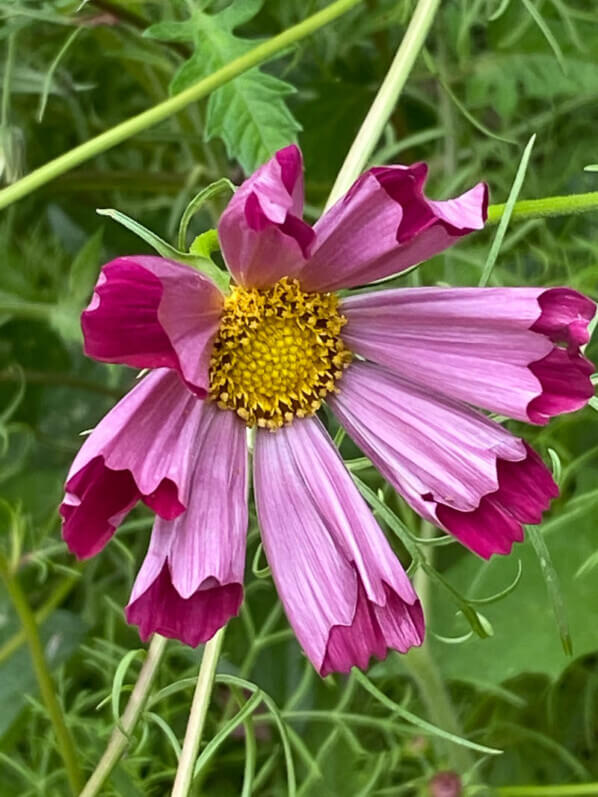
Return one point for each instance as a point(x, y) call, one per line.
point(493, 73)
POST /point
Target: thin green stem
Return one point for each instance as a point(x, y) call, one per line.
point(422, 668)
point(386, 99)
point(136, 124)
point(197, 716)
point(43, 676)
point(565, 790)
point(55, 599)
point(119, 740)
point(8, 64)
point(546, 207)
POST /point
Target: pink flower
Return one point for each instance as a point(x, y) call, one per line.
point(401, 369)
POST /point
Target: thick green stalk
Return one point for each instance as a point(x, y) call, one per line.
point(197, 716)
point(386, 98)
point(136, 124)
point(43, 676)
point(119, 740)
point(548, 206)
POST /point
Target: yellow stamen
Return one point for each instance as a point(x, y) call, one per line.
point(278, 353)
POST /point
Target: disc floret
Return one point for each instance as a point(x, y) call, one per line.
point(278, 353)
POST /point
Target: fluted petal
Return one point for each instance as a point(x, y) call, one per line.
point(452, 465)
point(344, 591)
point(191, 582)
point(497, 348)
point(261, 232)
point(141, 450)
point(148, 312)
point(383, 225)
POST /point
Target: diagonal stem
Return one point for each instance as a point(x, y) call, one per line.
point(136, 124)
point(119, 740)
point(43, 676)
point(197, 716)
point(386, 98)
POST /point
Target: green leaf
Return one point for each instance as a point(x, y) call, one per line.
point(249, 113)
point(206, 266)
point(85, 268)
point(205, 244)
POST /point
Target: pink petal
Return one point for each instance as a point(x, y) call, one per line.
point(140, 450)
point(343, 589)
point(452, 465)
point(565, 316)
point(191, 582)
point(452, 339)
point(261, 232)
point(385, 224)
point(148, 312)
point(192, 620)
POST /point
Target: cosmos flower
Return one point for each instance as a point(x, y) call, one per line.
point(402, 370)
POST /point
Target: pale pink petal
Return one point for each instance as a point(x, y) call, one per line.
point(497, 348)
point(452, 465)
point(385, 224)
point(262, 235)
point(148, 312)
point(343, 589)
point(191, 582)
point(141, 450)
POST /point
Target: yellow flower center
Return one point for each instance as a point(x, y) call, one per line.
point(277, 354)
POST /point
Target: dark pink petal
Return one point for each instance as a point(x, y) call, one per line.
point(524, 492)
point(141, 450)
point(343, 589)
point(565, 316)
point(192, 620)
point(148, 312)
point(452, 465)
point(396, 625)
point(191, 581)
point(261, 232)
point(385, 224)
point(566, 385)
point(496, 348)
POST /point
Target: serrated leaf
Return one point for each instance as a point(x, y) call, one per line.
point(249, 113)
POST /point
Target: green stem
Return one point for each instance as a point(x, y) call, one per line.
point(44, 678)
point(197, 716)
point(546, 207)
point(10, 58)
point(119, 740)
point(386, 99)
point(55, 599)
point(422, 668)
point(136, 124)
point(566, 790)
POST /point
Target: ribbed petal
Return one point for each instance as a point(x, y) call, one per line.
point(141, 450)
point(496, 348)
point(191, 582)
point(191, 620)
point(344, 591)
point(261, 232)
point(148, 312)
point(385, 224)
point(452, 465)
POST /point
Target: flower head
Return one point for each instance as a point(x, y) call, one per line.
point(401, 369)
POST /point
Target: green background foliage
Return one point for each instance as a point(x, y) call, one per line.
point(492, 74)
